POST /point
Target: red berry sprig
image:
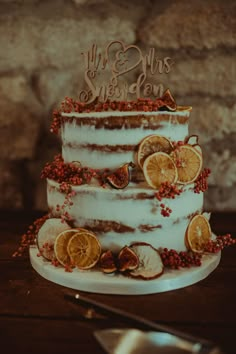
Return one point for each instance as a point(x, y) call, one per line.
point(201, 184)
point(28, 238)
point(170, 191)
point(56, 122)
point(72, 173)
point(165, 211)
point(167, 190)
point(176, 260)
point(178, 143)
point(221, 241)
point(141, 104)
point(46, 246)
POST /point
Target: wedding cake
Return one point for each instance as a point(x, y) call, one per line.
point(125, 195)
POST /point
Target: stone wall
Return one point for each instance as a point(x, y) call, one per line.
point(40, 63)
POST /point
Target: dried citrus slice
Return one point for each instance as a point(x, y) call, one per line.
point(84, 249)
point(193, 141)
point(198, 233)
point(47, 235)
point(188, 162)
point(158, 168)
point(151, 144)
point(60, 246)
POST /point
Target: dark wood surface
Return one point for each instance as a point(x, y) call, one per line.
point(35, 318)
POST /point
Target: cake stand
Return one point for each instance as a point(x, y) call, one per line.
point(95, 281)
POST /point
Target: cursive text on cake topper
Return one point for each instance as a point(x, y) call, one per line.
point(118, 60)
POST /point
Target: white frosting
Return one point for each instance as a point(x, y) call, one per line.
point(78, 139)
point(122, 114)
point(96, 203)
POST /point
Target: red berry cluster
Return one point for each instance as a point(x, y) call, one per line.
point(68, 202)
point(176, 260)
point(167, 190)
point(170, 191)
point(176, 144)
point(67, 267)
point(141, 105)
point(46, 246)
point(201, 184)
point(55, 262)
point(71, 173)
point(165, 211)
point(28, 238)
point(56, 122)
point(221, 241)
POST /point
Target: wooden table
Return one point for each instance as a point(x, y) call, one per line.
point(35, 318)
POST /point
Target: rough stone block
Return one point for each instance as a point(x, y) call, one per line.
point(191, 24)
point(223, 167)
point(211, 119)
point(213, 74)
point(214, 122)
point(19, 131)
point(10, 186)
point(52, 36)
point(220, 198)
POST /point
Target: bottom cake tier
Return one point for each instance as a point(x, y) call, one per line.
point(123, 217)
point(97, 282)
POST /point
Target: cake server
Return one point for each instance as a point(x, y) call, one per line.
point(134, 341)
point(199, 345)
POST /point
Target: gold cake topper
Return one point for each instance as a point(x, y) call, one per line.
point(119, 59)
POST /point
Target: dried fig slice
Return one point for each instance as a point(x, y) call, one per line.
point(107, 262)
point(168, 101)
point(127, 259)
point(150, 262)
point(121, 177)
point(192, 140)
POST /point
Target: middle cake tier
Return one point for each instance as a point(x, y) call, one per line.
point(122, 217)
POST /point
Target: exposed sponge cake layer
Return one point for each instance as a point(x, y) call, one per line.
point(120, 217)
point(109, 139)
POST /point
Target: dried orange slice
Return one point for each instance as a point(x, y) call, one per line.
point(47, 235)
point(158, 168)
point(84, 249)
point(198, 233)
point(60, 246)
point(151, 144)
point(188, 162)
point(193, 141)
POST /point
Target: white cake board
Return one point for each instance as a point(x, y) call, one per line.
point(95, 281)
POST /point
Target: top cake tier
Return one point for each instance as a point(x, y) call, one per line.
point(109, 139)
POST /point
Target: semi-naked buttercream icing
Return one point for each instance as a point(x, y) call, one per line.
point(122, 217)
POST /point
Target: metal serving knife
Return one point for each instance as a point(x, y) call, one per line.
point(110, 338)
point(134, 341)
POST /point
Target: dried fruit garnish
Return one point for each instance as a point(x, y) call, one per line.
point(127, 259)
point(188, 162)
point(159, 168)
point(47, 235)
point(193, 141)
point(107, 262)
point(169, 101)
point(84, 249)
point(121, 177)
point(150, 262)
point(198, 233)
point(150, 144)
point(60, 246)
